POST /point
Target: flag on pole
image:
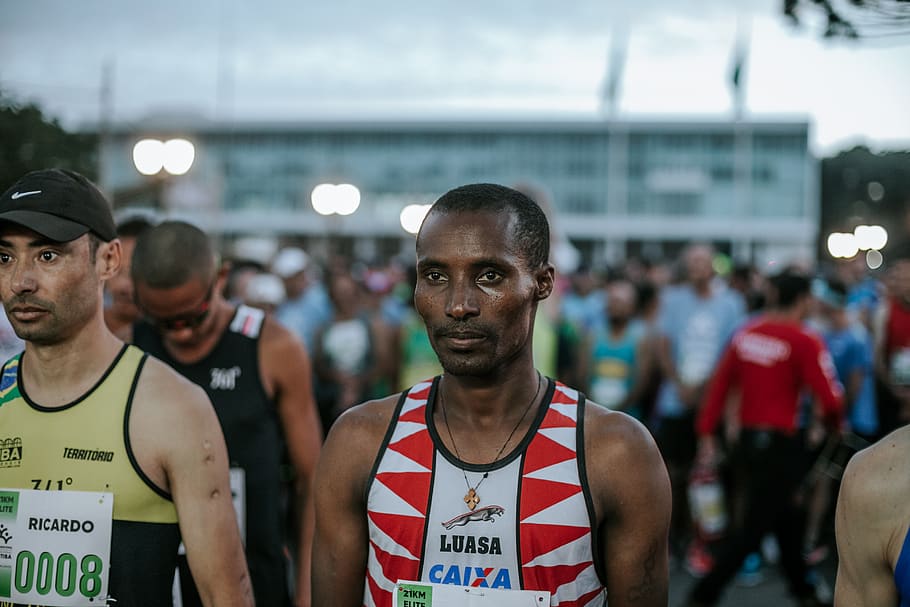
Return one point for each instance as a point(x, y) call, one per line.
point(615, 67)
point(737, 70)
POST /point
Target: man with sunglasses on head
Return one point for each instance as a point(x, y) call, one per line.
point(86, 420)
point(257, 374)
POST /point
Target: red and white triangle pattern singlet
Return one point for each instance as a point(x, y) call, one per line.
point(531, 530)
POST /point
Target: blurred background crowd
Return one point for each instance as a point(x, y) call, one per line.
point(685, 155)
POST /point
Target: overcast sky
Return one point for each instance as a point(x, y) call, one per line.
point(299, 59)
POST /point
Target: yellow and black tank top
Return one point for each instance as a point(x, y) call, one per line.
point(85, 446)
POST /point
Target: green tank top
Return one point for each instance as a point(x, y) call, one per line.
point(85, 446)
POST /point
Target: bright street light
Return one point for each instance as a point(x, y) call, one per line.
point(842, 244)
point(179, 155)
point(341, 199)
point(175, 156)
point(872, 238)
point(412, 216)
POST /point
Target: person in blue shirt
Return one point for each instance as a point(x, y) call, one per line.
point(614, 358)
point(695, 321)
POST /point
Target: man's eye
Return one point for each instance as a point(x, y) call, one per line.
point(489, 275)
point(4, 258)
point(434, 276)
point(48, 256)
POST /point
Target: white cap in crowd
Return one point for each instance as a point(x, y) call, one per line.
point(265, 289)
point(290, 261)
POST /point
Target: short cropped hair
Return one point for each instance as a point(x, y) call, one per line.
point(532, 230)
point(133, 226)
point(171, 254)
point(790, 285)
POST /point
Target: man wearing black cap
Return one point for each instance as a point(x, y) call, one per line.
point(93, 468)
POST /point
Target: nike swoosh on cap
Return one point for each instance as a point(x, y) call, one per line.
point(18, 195)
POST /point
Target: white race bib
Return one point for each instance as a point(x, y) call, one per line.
point(55, 547)
point(422, 594)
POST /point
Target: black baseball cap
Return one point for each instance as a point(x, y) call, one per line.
point(59, 204)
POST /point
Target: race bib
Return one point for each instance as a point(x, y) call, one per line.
point(421, 594)
point(55, 547)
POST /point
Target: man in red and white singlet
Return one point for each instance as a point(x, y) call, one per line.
point(489, 477)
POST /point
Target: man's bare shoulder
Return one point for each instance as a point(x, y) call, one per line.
point(166, 392)
point(878, 476)
point(624, 468)
point(353, 443)
point(615, 436)
point(367, 421)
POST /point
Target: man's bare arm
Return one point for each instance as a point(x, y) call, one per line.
point(871, 522)
point(286, 368)
point(178, 443)
point(631, 491)
point(342, 534)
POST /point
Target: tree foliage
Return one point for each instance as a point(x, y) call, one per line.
point(32, 140)
point(857, 19)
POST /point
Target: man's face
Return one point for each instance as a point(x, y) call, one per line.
point(475, 291)
point(120, 286)
point(50, 290)
point(183, 314)
point(699, 267)
point(620, 301)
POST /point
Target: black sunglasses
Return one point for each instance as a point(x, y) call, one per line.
point(190, 320)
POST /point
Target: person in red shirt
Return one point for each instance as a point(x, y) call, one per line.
point(892, 340)
point(767, 365)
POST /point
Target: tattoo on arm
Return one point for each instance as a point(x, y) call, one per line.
point(646, 587)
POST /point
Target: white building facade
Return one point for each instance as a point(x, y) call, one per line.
point(616, 188)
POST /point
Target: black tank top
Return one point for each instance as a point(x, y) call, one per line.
point(249, 420)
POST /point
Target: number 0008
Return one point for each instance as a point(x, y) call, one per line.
point(63, 575)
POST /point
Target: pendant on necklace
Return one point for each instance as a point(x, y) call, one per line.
point(471, 499)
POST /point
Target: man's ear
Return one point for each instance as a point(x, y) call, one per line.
point(109, 258)
point(546, 277)
point(221, 279)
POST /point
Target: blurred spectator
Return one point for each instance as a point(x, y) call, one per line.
point(10, 344)
point(648, 298)
point(583, 304)
point(121, 311)
point(346, 351)
point(307, 306)
point(851, 348)
point(892, 341)
point(259, 250)
point(416, 358)
point(696, 320)
point(746, 280)
point(264, 291)
point(864, 292)
point(767, 364)
point(851, 351)
point(240, 271)
point(614, 361)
